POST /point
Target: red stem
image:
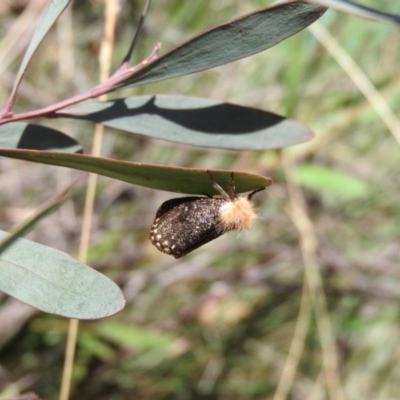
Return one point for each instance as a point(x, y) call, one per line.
point(123, 72)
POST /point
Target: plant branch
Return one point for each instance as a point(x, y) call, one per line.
point(112, 83)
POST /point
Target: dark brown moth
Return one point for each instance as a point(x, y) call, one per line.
point(184, 224)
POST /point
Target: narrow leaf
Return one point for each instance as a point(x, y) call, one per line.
point(135, 337)
point(18, 135)
point(327, 180)
point(44, 210)
point(54, 282)
point(54, 10)
point(194, 121)
point(358, 9)
point(172, 179)
point(228, 42)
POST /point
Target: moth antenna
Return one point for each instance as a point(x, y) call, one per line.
point(232, 189)
point(250, 196)
point(217, 187)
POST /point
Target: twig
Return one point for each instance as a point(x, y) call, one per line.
point(106, 50)
point(308, 245)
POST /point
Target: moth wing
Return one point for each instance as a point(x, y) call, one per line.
point(184, 224)
point(171, 204)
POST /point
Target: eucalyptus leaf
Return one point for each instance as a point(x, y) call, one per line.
point(54, 282)
point(360, 10)
point(19, 135)
point(228, 42)
point(194, 121)
point(161, 177)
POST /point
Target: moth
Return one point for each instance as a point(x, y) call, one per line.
point(184, 224)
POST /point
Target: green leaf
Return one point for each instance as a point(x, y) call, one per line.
point(194, 121)
point(54, 10)
point(91, 345)
point(54, 282)
point(358, 9)
point(228, 42)
point(135, 337)
point(172, 179)
point(327, 180)
point(44, 210)
point(18, 135)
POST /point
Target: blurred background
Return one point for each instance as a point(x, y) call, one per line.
point(219, 323)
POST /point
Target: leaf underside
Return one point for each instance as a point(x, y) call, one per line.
point(19, 135)
point(194, 121)
point(161, 177)
point(54, 282)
